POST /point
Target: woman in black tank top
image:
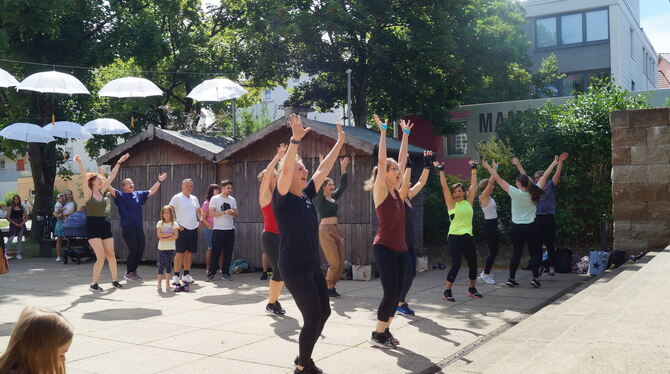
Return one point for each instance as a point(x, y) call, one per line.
point(17, 223)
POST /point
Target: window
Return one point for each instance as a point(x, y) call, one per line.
point(268, 95)
point(545, 32)
point(597, 25)
point(2, 164)
point(20, 165)
point(632, 43)
point(632, 85)
point(578, 81)
point(69, 152)
point(571, 29)
point(458, 144)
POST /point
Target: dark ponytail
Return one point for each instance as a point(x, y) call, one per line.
point(534, 191)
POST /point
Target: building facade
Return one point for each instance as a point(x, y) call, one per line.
point(664, 70)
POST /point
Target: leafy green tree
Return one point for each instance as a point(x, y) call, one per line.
point(546, 78)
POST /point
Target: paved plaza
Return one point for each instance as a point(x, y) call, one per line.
point(222, 326)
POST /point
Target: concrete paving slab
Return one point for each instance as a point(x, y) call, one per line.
point(136, 359)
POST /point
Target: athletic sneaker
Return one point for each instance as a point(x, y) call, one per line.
point(472, 292)
point(552, 271)
point(188, 278)
point(270, 308)
point(58, 259)
point(381, 340)
point(535, 283)
point(210, 276)
point(278, 309)
point(332, 293)
point(19, 257)
point(447, 296)
point(264, 276)
point(175, 280)
point(390, 336)
point(511, 282)
point(137, 276)
point(487, 278)
point(94, 287)
point(129, 276)
point(405, 310)
point(117, 284)
point(310, 368)
point(226, 277)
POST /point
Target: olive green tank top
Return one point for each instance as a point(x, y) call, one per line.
point(95, 207)
point(461, 218)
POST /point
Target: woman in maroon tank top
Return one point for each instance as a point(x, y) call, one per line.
point(270, 234)
point(390, 247)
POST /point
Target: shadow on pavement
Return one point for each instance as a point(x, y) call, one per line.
point(122, 314)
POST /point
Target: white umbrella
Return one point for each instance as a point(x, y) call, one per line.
point(67, 130)
point(219, 89)
point(7, 80)
point(53, 82)
point(26, 132)
point(130, 87)
point(106, 126)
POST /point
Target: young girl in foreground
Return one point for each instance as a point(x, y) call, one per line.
point(168, 231)
point(38, 343)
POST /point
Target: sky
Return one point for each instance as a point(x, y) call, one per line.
point(655, 20)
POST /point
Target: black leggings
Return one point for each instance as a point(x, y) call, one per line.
point(310, 292)
point(493, 239)
point(462, 245)
point(270, 243)
point(391, 265)
point(410, 272)
point(134, 238)
point(525, 234)
point(546, 226)
point(223, 240)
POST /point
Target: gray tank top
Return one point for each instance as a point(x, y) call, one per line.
point(490, 211)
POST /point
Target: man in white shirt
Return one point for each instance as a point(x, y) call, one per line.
point(223, 207)
point(187, 213)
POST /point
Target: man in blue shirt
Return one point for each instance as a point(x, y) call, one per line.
point(130, 204)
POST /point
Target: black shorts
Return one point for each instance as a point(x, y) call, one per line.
point(98, 228)
point(187, 241)
point(270, 243)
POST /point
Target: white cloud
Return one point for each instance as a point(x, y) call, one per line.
point(658, 31)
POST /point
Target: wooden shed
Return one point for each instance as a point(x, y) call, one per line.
point(185, 155)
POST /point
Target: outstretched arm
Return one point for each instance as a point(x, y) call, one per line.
point(326, 165)
point(519, 167)
point(286, 176)
point(380, 190)
point(494, 174)
point(543, 179)
point(423, 178)
point(559, 168)
point(157, 185)
point(446, 192)
point(343, 178)
point(472, 191)
point(264, 193)
point(486, 194)
point(84, 181)
point(404, 144)
point(115, 171)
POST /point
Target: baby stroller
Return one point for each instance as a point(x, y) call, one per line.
point(76, 239)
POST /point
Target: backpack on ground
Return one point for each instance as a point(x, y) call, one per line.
point(563, 260)
point(598, 261)
point(240, 265)
point(618, 258)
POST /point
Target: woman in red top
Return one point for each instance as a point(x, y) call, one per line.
point(270, 234)
point(390, 246)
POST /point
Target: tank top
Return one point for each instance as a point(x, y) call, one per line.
point(95, 207)
point(391, 224)
point(17, 215)
point(461, 218)
point(490, 211)
point(269, 220)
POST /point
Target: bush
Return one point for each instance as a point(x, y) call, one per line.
point(8, 197)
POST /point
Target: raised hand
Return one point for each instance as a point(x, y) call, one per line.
point(281, 150)
point(563, 156)
point(297, 131)
point(341, 136)
point(427, 158)
point(494, 164)
point(320, 158)
point(344, 162)
point(77, 158)
point(382, 126)
point(439, 165)
point(486, 165)
point(162, 177)
point(123, 158)
point(515, 161)
point(473, 164)
point(406, 126)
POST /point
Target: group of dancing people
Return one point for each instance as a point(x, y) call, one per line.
point(300, 219)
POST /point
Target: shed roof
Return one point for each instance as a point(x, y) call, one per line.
point(359, 138)
point(204, 146)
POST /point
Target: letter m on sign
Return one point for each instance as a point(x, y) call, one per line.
point(485, 122)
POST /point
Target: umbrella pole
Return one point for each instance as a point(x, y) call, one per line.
point(53, 110)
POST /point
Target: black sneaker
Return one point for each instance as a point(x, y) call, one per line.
point(116, 284)
point(278, 309)
point(472, 292)
point(381, 340)
point(270, 308)
point(511, 282)
point(390, 336)
point(264, 276)
point(332, 293)
point(210, 277)
point(310, 368)
point(535, 283)
point(94, 287)
point(448, 297)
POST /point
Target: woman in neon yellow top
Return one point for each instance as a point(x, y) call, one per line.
point(460, 240)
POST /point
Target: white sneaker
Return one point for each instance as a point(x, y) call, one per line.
point(188, 278)
point(487, 278)
point(175, 280)
point(58, 259)
point(19, 257)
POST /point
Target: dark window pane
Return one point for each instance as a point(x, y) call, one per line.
point(545, 32)
point(571, 28)
point(597, 25)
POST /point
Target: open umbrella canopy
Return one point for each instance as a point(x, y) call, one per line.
point(106, 126)
point(53, 82)
point(67, 130)
point(7, 80)
point(218, 89)
point(130, 87)
point(26, 132)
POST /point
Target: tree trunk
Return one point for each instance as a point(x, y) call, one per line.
point(359, 106)
point(43, 167)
